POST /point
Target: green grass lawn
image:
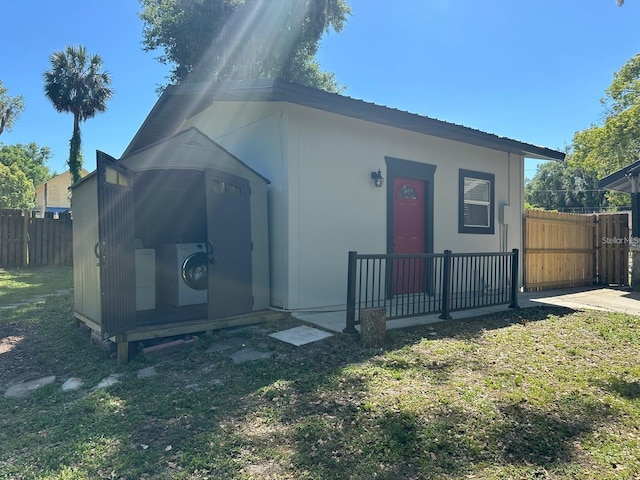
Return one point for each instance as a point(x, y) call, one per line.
point(19, 284)
point(533, 394)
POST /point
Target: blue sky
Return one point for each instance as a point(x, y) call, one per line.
point(532, 70)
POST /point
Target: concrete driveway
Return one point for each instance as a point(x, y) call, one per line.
point(590, 298)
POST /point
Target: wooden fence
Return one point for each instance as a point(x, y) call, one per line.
point(26, 240)
point(567, 250)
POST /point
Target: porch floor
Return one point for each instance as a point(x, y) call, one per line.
point(581, 298)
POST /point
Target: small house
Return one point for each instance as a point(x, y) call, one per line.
point(343, 175)
point(52, 196)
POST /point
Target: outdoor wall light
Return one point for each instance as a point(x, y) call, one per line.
point(378, 179)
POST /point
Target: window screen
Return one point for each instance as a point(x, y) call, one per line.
point(476, 202)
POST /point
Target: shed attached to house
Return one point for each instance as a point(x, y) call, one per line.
point(170, 239)
point(445, 186)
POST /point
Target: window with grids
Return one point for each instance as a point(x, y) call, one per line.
point(476, 202)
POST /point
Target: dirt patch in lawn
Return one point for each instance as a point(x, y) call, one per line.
point(18, 356)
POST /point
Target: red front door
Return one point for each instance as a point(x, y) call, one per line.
point(408, 234)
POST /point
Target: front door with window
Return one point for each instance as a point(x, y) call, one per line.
point(408, 234)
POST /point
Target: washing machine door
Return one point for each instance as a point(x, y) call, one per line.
point(195, 271)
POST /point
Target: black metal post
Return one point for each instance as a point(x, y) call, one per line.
point(514, 278)
point(351, 294)
point(635, 213)
point(446, 285)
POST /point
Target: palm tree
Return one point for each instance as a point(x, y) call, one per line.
point(76, 85)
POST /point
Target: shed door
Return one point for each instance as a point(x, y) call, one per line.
point(115, 248)
point(408, 234)
point(229, 246)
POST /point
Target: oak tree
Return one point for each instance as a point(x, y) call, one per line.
point(16, 190)
point(10, 108)
point(242, 39)
point(30, 159)
point(603, 149)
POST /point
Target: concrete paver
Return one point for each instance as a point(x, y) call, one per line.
point(604, 299)
point(24, 389)
point(300, 335)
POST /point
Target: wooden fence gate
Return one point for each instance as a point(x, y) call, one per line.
point(568, 250)
point(26, 240)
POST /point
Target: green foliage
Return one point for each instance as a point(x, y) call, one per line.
point(75, 152)
point(606, 148)
point(565, 187)
point(599, 150)
point(76, 84)
point(242, 39)
point(30, 159)
point(16, 190)
point(10, 108)
point(624, 91)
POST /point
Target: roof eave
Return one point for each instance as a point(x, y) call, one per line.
point(619, 181)
point(198, 96)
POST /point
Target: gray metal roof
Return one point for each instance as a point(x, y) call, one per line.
point(619, 181)
point(180, 102)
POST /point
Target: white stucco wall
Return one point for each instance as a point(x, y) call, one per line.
point(323, 202)
point(336, 207)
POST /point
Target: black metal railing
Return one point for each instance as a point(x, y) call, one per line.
point(408, 285)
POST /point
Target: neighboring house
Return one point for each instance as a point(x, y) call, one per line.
point(343, 175)
point(319, 149)
point(53, 195)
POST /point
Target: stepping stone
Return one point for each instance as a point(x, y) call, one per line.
point(147, 372)
point(107, 382)
point(24, 389)
point(301, 335)
point(73, 383)
point(248, 354)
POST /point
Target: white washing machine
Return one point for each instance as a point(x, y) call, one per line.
point(186, 273)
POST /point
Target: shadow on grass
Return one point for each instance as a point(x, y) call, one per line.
point(295, 415)
point(530, 436)
point(623, 388)
point(449, 443)
point(468, 328)
point(42, 339)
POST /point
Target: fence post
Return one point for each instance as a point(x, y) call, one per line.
point(25, 238)
point(514, 279)
point(446, 285)
point(351, 294)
